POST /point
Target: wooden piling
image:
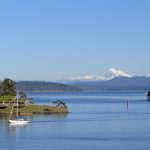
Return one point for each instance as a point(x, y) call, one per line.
point(127, 104)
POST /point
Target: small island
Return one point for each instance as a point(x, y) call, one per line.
point(26, 106)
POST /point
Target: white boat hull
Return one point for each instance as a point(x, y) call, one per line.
point(19, 121)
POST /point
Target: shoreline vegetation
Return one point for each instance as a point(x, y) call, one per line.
point(35, 109)
point(8, 103)
point(115, 84)
point(40, 86)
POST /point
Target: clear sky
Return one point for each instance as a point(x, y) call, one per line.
point(55, 39)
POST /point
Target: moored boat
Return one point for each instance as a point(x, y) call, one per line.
point(18, 121)
point(148, 95)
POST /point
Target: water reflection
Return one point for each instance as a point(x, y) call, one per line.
point(49, 118)
point(4, 116)
point(15, 130)
point(12, 125)
point(59, 116)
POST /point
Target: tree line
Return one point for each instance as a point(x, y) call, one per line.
point(7, 87)
point(45, 86)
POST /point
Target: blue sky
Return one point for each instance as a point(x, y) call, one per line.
point(55, 39)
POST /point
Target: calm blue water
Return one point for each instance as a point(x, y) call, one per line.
point(97, 121)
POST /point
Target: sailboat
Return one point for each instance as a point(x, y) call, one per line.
point(18, 121)
point(148, 95)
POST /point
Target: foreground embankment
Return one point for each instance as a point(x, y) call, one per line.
point(34, 109)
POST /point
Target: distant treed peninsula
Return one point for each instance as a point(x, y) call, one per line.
point(39, 86)
point(116, 84)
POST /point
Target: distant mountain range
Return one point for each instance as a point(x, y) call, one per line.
point(110, 74)
point(116, 84)
point(112, 80)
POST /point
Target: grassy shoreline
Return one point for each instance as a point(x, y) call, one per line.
point(7, 102)
point(35, 109)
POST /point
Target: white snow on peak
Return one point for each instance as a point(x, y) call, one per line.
point(87, 77)
point(110, 74)
point(113, 73)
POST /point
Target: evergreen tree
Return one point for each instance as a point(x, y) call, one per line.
point(22, 95)
point(8, 87)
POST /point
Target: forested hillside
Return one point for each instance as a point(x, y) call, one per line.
point(116, 84)
point(45, 86)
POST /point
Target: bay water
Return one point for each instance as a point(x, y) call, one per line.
point(96, 121)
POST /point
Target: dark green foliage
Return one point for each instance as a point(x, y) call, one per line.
point(31, 100)
point(60, 103)
point(7, 87)
point(22, 95)
point(45, 86)
point(6, 98)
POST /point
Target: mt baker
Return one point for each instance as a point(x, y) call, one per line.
point(113, 80)
point(110, 74)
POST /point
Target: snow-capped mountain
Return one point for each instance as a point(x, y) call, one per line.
point(87, 78)
point(110, 74)
point(113, 73)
